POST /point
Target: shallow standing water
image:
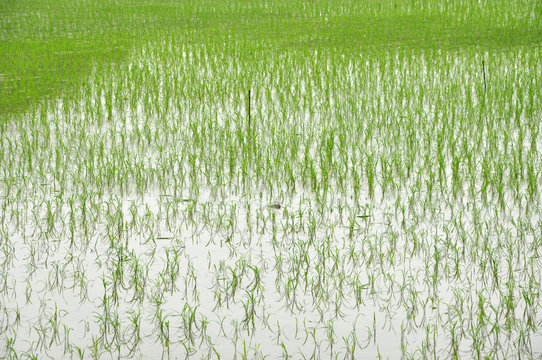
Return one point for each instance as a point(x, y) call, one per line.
point(137, 217)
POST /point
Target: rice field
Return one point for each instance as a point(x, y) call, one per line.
point(270, 179)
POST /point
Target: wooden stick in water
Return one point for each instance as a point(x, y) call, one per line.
point(484, 72)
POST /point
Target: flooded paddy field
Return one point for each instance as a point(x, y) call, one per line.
point(316, 193)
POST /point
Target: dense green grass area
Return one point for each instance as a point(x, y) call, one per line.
point(51, 45)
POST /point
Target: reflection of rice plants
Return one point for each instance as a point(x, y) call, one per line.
point(324, 180)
